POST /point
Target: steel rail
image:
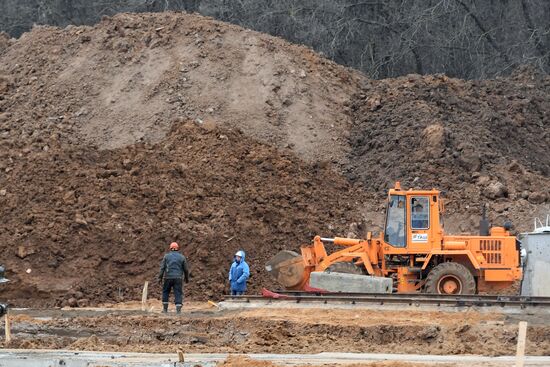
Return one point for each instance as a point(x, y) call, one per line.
point(479, 297)
point(407, 299)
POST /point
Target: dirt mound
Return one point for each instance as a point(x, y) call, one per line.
point(92, 188)
point(128, 78)
point(93, 225)
point(480, 141)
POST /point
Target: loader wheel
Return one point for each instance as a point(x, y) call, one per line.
point(450, 278)
point(345, 267)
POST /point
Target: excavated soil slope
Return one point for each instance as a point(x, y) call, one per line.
point(93, 225)
point(89, 213)
point(479, 141)
point(126, 80)
point(119, 138)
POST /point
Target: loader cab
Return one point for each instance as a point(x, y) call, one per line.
point(396, 219)
point(412, 220)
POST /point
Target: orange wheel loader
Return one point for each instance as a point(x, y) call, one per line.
point(413, 250)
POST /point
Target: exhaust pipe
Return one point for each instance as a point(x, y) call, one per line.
point(484, 223)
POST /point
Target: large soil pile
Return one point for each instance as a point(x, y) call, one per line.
point(117, 139)
point(479, 141)
point(90, 212)
point(94, 224)
point(126, 79)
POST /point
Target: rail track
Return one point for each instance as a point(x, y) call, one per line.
point(395, 298)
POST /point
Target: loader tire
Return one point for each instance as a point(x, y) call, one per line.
point(450, 278)
point(345, 267)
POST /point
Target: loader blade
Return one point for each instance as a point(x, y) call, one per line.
point(287, 267)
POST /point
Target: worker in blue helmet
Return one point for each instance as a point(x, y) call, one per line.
point(238, 274)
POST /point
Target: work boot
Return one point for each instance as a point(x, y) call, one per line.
point(165, 308)
point(178, 309)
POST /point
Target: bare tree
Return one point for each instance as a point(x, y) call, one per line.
point(383, 38)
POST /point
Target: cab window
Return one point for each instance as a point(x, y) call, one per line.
point(394, 233)
point(420, 212)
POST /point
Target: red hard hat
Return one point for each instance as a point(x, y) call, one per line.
point(174, 246)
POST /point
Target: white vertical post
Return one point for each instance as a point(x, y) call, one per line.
point(8, 326)
point(520, 353)
point(144, 296)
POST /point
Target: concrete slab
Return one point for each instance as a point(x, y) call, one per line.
point(521, 313)
point(352, 283)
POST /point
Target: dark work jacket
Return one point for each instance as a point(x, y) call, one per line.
point(174, 266)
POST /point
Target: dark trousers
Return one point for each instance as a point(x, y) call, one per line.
point(236, 293)
point(177, 286)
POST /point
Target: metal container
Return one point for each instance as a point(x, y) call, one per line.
point(536, 262)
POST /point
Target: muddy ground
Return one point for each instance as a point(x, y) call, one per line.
point(208, 330)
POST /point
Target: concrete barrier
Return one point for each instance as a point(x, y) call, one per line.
point(351, 283)
point(536, 264)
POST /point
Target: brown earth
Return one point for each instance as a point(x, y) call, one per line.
point(128, 78)
point(482, 142)
point(269, 330)
point(92, 225)
point(100, 167)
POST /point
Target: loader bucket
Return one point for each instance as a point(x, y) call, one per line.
point(287, 267)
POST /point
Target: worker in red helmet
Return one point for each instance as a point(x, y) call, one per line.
point(173, 270)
